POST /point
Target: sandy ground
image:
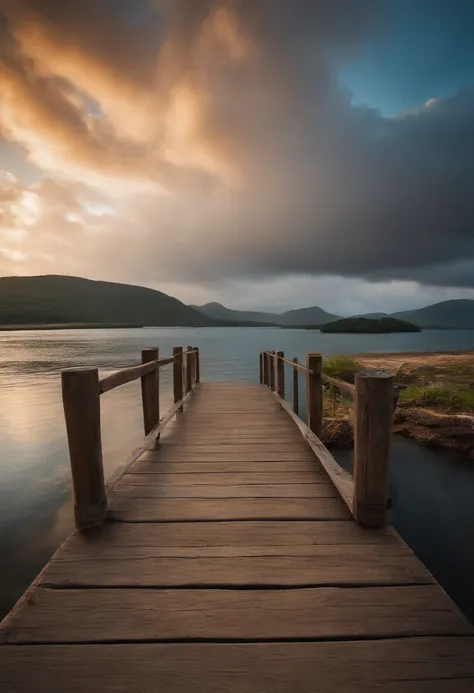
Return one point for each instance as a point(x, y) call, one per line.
point(428, 426)
point(393, 362)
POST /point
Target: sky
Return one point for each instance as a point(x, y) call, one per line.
point(266, 154)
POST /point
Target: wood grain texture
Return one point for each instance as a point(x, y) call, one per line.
point(150, 386)
point(124, 509)
point(306, 565)
point(126, 375)
point(236, 453)
point(314, 393)
point(373, 414)
point(223, 535)
point(139, 491)
point(229, 478)
point(72, 616)
point(81, 401)
point(233, 534)
point(154, 463)
point(391, 666)
point(178, 374)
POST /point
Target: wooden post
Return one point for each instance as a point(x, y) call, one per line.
point(296, 398)
point(189, 370)
point(260, 361)
point(271, 360)
point(81, 400)
point(266, 372)
point(197, 373)
point(280, 366)
point(372, 437)
point(178, 374)
point(150, 391)
point(314, 392)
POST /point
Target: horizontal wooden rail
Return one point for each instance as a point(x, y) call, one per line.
point(374, 398)
point(81, 389)
point(127, 375)
point(341, 385)
point(341, 479)
point(298, 366)
point(151, 438)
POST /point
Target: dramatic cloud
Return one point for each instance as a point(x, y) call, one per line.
point(208, 141)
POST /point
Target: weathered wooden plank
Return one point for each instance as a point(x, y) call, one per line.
point(219, 441)
point(236, 454)
point(246, 446)
point(218, 447)
point(139, 567)
point(91, 615)
point(165, 467)
point(140, 491)
point(119, 566)
point(236, 534)
point(260, 668)
point(391, 666)
point(229, 478)
point(171, 510)
point(389, 554)
point(262, 432)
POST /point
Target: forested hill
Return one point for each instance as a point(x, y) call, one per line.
point(60, 299)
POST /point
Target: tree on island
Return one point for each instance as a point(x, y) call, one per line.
point(369, 326)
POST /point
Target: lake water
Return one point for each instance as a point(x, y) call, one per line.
point(432, 492)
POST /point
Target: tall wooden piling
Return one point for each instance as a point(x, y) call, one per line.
point(178, 374)
point(81, 400)
point(271, 360)
point(314, 392)
point(266, 368)
point(280, 369)
point(189, 368)
point(150, 391)
point(296, 396)
point(197, 373)
point(372, 437)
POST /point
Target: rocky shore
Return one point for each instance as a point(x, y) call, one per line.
point(435, 426)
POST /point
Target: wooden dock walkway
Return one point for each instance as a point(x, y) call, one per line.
point(229, 562)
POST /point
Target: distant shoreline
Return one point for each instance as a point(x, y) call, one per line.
point(23, 327)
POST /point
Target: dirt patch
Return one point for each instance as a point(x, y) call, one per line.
point(436, 404)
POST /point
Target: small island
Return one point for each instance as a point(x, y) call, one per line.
point(369, 326)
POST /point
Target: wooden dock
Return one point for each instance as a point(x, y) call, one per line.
point(228, 561)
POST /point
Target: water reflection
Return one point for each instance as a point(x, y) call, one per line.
point(35, 506)
point(432, 509)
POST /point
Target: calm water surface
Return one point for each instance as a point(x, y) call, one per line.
point(432, 492)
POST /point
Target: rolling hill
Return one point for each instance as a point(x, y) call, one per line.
point(456, 314)
point(302, 316)
point(219, 312)
point(61, 299)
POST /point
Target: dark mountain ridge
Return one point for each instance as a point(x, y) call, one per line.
point(56, 299)
point(454, 314)
point(301, 316)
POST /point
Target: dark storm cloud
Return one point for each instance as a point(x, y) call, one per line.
point(296, 180)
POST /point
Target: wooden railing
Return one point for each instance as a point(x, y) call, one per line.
point(81, 390)
point(374, 397)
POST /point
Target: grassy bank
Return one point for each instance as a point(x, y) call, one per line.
point(436, 403)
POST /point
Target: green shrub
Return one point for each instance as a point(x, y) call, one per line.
point(342, 367)
point(450, 398)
